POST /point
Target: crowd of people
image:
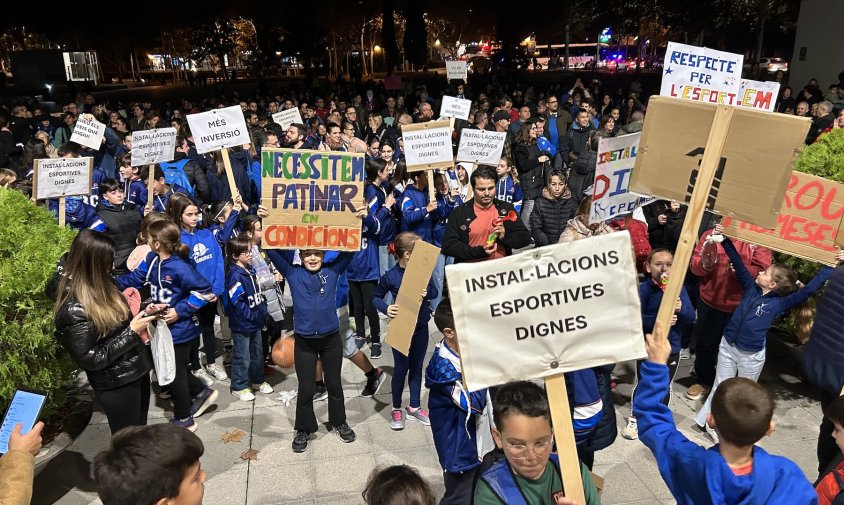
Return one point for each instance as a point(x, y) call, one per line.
point(189, 262)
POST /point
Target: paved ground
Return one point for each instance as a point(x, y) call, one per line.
point(332, 469)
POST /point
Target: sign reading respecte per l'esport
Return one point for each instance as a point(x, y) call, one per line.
point(218, 128)
point(701, 74)
point(481, 147)
point(544, 311)
point(55, 177)
point(153, 146)
point(88, 133)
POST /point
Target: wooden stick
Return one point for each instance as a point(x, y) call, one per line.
point(229, 174)
point(432, 190)
point(558, 402)
point(694, 215)
point(62, 211)
point(150, 184)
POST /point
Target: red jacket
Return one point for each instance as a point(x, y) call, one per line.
point(719, 287)
point(639, 236)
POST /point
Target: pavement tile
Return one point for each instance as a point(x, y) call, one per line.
point(228, 486)
point(621, 484)
point(648, 473)
point(414, 435)
point(342, 476)
point(280, 484)
point(423, 460)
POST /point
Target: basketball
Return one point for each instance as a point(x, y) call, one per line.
point(282, 353)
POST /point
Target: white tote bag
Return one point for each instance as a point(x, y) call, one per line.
point(163, 355)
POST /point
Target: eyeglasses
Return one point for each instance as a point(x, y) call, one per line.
point(520, 451)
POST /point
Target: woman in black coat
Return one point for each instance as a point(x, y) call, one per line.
point(552, 210)
point(95, 325)
point(530, 162)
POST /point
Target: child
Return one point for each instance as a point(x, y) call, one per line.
point(175, 282)
point(529, 474)
point(141, 250)
point(734, 472)
point(160, 189)
point(658, 268)
point(406, 367)
point(774, 291)
point(454, 413)
point(247, 311)
point(447, 201)
point(156, 464)
point(222, 218)
point(133, 187)
point(830, 484)
point(207, 258)
point(507, 189)
point(121, 219)
point(397, 484)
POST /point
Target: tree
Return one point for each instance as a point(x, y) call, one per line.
point(415, 37)
point(216, 38)
point(388, 36)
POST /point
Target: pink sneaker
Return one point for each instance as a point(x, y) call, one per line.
point(397, 419)
point(418, 415)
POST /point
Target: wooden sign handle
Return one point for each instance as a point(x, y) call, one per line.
point(432, 190)
point(229, 174)
point(150, 184)
point(558, 402)
point(694, 215)
point(62, 211)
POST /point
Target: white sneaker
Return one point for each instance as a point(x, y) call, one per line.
point(263, 388)
point(244, 395)
point(685, 353)
point(631, 431)
point(216, 371)
point(203, 376)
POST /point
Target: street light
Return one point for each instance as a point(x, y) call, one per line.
point(437, 43)
point(377, 49)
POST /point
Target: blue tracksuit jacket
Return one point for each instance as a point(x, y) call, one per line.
point(78, 214)
point(444, 207)
point(651, 295)
point(508, 191)
point(390, 283)
point(414, 215)
point(207, 257)
point(243, 302)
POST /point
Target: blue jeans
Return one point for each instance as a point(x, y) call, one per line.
point(247, 360)
point(410, 366)
point(439, 278)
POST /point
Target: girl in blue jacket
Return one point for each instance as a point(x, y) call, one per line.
point(508, 189)
point(175, 282)
point(773, 292)
point(247, 310)
point(207, 257)
point(406, 367)
point(223, 219)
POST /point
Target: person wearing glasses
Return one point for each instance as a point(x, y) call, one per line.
point(529, 473)
point(351, 143)
point(352, 117)
point(559, 121)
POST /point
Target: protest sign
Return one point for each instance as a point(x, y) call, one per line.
point(312, 198)
point(456, 69)
point(701, 74)
point(427, 145)
point(59, 177)
point(610, 195)
point(153, 146)
point(423, 259)
point(809, 224)
point(218, 129)
point(752, 171)
point(481, 147)
point(287, 117)
point(758, 94)
point(455, 107)
point(88, 132)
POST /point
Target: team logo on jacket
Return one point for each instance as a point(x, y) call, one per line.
point(200, 253)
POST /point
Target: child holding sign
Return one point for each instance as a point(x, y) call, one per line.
point(736, 471)
point(410, 366)
point(771, 293)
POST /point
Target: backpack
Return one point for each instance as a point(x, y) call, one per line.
point(174, 173)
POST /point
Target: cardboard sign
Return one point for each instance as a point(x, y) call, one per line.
point(481, 147)
point(287, 117)
point(544, 311)
point(218, 129)
point(610, 194)
point(427, 145)
point(455, 107)
point(312, 198)
point(456, 69)
point(56, 177)
point(754, 168)
point(153, 146)
point(423, 259)
point(88, 133)
point(809, 224)
point(758, 94)
point(701, 74)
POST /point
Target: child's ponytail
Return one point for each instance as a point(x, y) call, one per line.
point(169, 236)
point(803, 314)
point(404, 242)
point(214, 211)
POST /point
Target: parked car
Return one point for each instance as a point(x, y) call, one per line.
point(770, 65)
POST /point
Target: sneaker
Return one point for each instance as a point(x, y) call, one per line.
point(347, 435)
point(203, 376)
point(375, 351)
point(397, 419)
point(263, 388)
point(360, 342)
point(631, 431)
point(216, 371)
point(244, 395)
point(228, 352)
point(712, 434)
point(373, 384)
point(187, 423)
point(696, 392)
point(202, 401)
point(300, 441)
point(418, 415)
point(320, 394)
point(685, 353)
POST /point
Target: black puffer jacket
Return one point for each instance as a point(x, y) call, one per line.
point(550, 216)
point(823, 358)
point(110, 362)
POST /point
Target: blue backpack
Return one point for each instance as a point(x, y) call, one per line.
point(174, 173)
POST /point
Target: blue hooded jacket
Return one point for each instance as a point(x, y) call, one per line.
point(207, 257)
point(159, 202)
point(243, 302)
point(175, 282)
point(699, 476)
point(414, 215)
point(136, 192)
point(390, 282)
point(375, 198)
point(78, 214)
point(651, 295)
point(314, 293)
point(508, 191)
point(227, 231)
point(364, 264)
point(444, 207)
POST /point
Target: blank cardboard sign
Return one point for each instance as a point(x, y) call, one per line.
point(423, 259)
point(755, 166)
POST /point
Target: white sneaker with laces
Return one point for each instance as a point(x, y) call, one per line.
point(685, 353)
point(203, 376)
point(263, 388)
point(631, 431)
point(216, 371)
point(244, 395)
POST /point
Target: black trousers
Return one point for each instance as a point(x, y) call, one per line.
point(185, 386)
point(460, 487)
point(709, 329)
point(360, 294)
point(329, 350)
point(127, 405)
point(827, 448)
point(205, 316)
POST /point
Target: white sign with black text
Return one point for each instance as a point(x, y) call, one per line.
point(287, 117)
point(88, 133)
point(456, 69)
point(55, 177)
point(153, 146)
point(218, 128)
point(481, 147)
point(457, 108)
point(427, 145)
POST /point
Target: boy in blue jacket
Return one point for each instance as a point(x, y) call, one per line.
point(733, 472)
point(417, 210)
point(160, 189)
